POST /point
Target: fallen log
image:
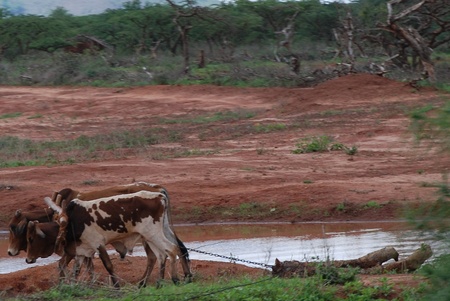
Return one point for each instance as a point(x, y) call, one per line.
point(410, 263)
point(371, 262)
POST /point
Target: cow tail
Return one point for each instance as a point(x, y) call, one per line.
point(183, 249)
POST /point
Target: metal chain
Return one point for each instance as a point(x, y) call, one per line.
point(232, 258)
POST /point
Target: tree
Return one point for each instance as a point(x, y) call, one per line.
point(420, 25)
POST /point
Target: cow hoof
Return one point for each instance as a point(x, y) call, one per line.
point(188, 278)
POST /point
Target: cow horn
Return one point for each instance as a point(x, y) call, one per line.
point(54, 195)
point(18, 213)
point(58, 199)
point(37, 229)
point(52, 205)
point(40, 233)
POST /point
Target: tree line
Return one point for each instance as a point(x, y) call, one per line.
point(405, 31)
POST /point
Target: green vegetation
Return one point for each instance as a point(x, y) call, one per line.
point(225, 116)
point(372, 204)
point(313, 144)
point(261, 289)
point(10, 115)
point(24, 152)
point(321, 144)
point(433, 124)
point(140, 44)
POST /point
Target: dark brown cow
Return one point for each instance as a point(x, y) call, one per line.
point(18, 228)
point(41, 239)
point(93, 224)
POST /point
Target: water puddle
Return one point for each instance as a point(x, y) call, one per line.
point(262, 243)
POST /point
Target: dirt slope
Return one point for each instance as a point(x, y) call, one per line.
point(236, 170)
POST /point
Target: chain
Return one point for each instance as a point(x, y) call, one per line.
point(232, 258)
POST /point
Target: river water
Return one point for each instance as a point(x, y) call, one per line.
point(262, 243)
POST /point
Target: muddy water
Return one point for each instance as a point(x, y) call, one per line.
point(262, 243)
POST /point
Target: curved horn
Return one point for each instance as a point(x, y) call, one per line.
point(58, 199)
point(38, 230)
point(52, 205)
point(54, 195)
point(18, 213)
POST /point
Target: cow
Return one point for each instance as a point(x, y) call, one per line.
point(69, 194)
point(18, 227)
point(93, 224)
point(41, 239)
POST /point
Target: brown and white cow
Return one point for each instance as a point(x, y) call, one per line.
point(93, 224)
point(68, 194)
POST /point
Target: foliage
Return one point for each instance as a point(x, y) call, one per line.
point(260, 289)
point(438, 273)
point(321, 144)
point(24, 152)
point(433, 124)
point(313, 144)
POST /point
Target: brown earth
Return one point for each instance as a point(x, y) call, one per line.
point(235, 170)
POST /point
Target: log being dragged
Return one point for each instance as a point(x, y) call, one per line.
point(370, 260)
point(412, 262)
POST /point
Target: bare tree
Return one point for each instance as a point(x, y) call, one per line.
point(287, 34)
point(421, 25)
point(181, 20)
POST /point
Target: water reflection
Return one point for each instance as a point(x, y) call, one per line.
point(263, 243)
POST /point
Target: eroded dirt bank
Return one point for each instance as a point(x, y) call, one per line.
point(234, 170)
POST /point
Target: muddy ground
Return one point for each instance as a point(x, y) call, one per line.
point(237, 170)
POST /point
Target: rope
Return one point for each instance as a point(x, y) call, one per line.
point(232, 259)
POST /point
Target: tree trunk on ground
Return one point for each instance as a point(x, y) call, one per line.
point(371, 262)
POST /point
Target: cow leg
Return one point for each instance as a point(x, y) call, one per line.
point(108, 265)
point(173, 268)
point(184, 260)
point(120, 248)
point(77, 266)
point(62, 266)
point(87, 262)
point(151, 260)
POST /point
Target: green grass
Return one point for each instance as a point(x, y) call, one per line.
point(322, 144)
point(313, 144)
point(25, 152)
point(267, 128)
point(216, 117)
point(265, 288)
point(372, 205)
point(10, 115)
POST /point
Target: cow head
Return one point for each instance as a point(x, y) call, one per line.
point(17, 239)
point(41, 239)
point(35, 241)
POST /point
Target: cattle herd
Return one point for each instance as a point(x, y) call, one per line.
point(76, 225)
